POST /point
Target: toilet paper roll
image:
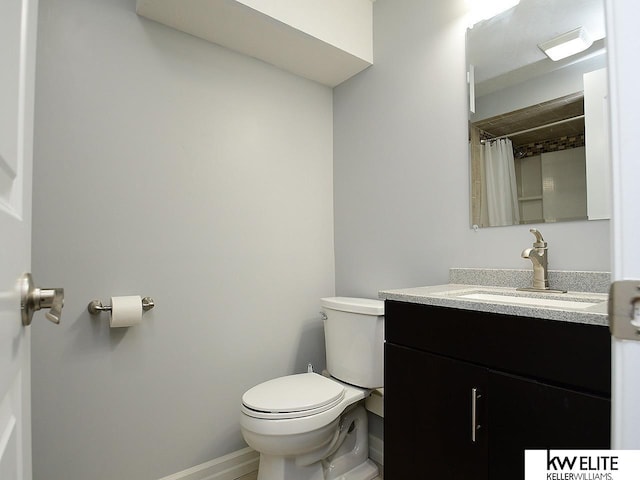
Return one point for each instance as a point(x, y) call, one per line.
point(126, 311)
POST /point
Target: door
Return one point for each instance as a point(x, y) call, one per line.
point(526, 414)
point(623, 45)
point(434, 416)
point(17, 73)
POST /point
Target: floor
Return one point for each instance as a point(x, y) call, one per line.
point(254, 476)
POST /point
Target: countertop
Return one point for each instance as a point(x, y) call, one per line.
point(449, 295)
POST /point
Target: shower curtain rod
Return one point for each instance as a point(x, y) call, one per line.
point(552, 124)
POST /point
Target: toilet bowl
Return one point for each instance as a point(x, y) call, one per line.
point(313, 427)
point(298, 438)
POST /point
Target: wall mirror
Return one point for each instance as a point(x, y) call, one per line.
point(538, 127)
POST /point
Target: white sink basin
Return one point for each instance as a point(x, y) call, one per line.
point(524, 300)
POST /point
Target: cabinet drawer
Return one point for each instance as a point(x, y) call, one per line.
point(572, 354)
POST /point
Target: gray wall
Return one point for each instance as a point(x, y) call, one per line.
point(401, 176)
point(169, 167)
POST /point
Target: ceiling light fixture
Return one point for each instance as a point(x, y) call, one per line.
point(567, 44)
point(485, 9)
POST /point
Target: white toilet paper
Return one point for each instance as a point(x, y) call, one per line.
point(126, 311)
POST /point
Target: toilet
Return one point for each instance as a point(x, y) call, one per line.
point(314, 427)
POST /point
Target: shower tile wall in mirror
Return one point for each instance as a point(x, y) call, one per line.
point(538, 131)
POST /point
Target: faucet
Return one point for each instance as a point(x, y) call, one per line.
point(538, 254)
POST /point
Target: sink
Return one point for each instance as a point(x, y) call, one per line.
point(529, 300)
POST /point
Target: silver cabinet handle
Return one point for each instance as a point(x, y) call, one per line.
point(474, 410)
point(34, 299)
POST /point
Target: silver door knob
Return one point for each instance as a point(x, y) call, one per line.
point(34, 299)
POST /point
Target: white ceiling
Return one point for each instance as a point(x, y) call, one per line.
point(510, 41)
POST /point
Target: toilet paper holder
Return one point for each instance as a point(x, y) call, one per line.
point(96, 306)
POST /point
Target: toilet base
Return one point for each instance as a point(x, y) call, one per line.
point(271, 468)
point(351, 459)
point(365, 471)
point(346, 458)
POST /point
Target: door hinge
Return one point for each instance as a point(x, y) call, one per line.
point(624, 309)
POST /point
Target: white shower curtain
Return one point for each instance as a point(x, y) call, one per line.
point(500, 183)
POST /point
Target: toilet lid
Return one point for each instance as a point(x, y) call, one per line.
point(294, 395)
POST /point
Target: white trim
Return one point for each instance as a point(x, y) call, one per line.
point(228, 467)
point(624, 97)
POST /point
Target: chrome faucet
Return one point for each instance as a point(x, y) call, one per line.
point(538, 254)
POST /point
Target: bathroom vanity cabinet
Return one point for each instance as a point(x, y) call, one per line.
point(467, 392)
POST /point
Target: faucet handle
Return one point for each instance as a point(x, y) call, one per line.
point(539, 243)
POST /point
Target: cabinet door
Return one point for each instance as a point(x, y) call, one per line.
point(525, 414)
point(428, 419)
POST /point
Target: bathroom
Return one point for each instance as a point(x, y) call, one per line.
point(237, 195)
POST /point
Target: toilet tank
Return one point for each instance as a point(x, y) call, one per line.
point(354, 339)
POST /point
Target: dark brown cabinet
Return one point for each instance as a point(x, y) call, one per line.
point(428, 417)
point(467, 392)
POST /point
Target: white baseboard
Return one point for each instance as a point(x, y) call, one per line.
point(242, 462)
point(228, 467)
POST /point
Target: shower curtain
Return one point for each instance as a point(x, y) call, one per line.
point(500, 195)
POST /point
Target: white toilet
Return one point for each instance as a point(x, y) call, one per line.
point(312, 427)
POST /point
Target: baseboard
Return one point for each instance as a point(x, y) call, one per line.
point(242, 462)
point(228, 467)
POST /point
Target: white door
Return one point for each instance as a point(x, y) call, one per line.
point(18, 22)
point(623, 44)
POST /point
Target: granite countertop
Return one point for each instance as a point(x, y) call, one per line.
point(558, 306)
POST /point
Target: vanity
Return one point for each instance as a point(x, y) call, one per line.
point(473, 379)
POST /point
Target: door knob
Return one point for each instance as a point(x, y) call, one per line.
point(34, 299)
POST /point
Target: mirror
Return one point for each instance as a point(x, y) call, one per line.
point(538, 127)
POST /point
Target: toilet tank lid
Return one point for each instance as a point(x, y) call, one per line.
point(366, 306)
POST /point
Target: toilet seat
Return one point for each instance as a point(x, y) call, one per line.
point(264, 423)
point(292, 396)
